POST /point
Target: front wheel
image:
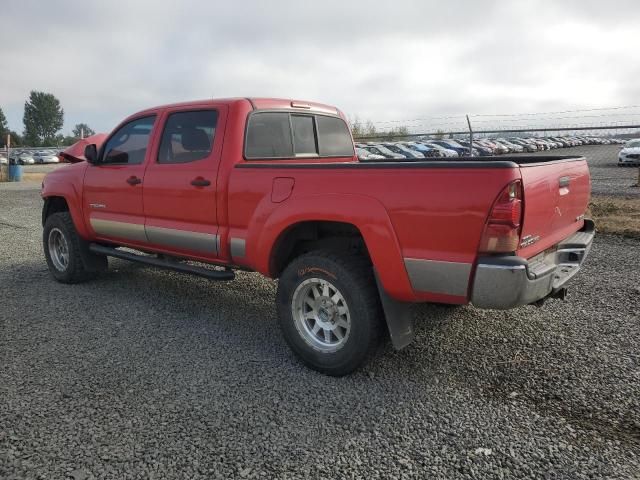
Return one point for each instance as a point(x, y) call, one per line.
point(64, 251)
point(329, 311)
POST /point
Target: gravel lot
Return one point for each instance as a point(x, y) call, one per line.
point(150, 374)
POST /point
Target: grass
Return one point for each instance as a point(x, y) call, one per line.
point(616, 215)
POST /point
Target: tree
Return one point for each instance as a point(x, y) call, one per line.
point(357, 129)
point(43, 118)
point(398, 133)
point(370, 129)
point(82, 130)
point(4, 127)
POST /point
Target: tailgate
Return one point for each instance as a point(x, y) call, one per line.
point(556, 195)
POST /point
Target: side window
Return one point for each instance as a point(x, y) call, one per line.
point(334, 139)
point(129, 144)
point(269, 136)
point(304, 136)
point(188, 136)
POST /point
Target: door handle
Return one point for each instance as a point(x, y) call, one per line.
point(200, 182)
point(133, 180)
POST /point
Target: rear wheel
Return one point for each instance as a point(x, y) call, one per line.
point(329, 311)
point(66, 253)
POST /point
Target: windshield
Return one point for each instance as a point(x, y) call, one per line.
point(633, 144)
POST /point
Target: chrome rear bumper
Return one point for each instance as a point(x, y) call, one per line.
point(508, 281)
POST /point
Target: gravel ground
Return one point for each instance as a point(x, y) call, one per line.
point(150, 374)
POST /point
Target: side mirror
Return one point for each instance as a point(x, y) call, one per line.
point(91, 153)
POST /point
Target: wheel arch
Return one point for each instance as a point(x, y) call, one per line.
point(355, 216)
point(53, 204)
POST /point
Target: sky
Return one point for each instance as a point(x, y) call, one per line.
point(423, 64)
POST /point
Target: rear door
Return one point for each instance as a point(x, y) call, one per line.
point(556, 195)
point(181, 182)
point(112, 193)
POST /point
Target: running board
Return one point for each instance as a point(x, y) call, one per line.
point(223, 275)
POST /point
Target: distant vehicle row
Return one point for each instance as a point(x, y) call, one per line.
point(481, 147)
point(27, 157)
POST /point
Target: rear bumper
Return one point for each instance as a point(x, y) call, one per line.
point(509, 281)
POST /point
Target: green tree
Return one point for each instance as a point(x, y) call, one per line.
point(82, 130)
point(43, 118)
point(16, 139)
point(4, 127)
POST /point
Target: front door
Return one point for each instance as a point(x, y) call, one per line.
point(180, 183)
point(112, 198)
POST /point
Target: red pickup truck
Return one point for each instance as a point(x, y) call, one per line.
point(273, 186)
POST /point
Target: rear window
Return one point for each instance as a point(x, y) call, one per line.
point(272, 135)
point(269, 136)
point(333, 137)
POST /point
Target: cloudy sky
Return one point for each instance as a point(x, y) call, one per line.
point(384, 61)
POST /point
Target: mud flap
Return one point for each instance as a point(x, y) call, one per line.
point(91, 261)
point(399, 318)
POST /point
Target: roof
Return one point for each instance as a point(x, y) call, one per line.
point(257, 102)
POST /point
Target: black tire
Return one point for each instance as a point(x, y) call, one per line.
point(81, 265)
point(353, 278)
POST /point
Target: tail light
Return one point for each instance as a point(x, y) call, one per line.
point(502, 231)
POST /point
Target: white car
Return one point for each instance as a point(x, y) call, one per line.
point(630, 153)
point(3, 160)
point(367, 155)
point(46, 157)
point(26, 159)
point(382, 150)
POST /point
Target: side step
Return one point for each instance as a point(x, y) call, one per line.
point(223, 275)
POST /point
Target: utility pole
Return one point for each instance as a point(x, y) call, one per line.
point(470, 137)
point(8, 150)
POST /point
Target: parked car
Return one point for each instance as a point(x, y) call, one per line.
point(403, 150)
point(3, 160)
point(478, 149)
point(495, 147)
point(384, 151)
point(352, 243)
point(429, 151)
point(528, 146)
point(455, 146)
point(49, 158)
point(364, 154)
point(630, 154)
point(26, 159)
point(443, 152)
point(513, 148)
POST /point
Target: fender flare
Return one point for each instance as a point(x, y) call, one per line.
point(367, 214)
point(70, 196)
